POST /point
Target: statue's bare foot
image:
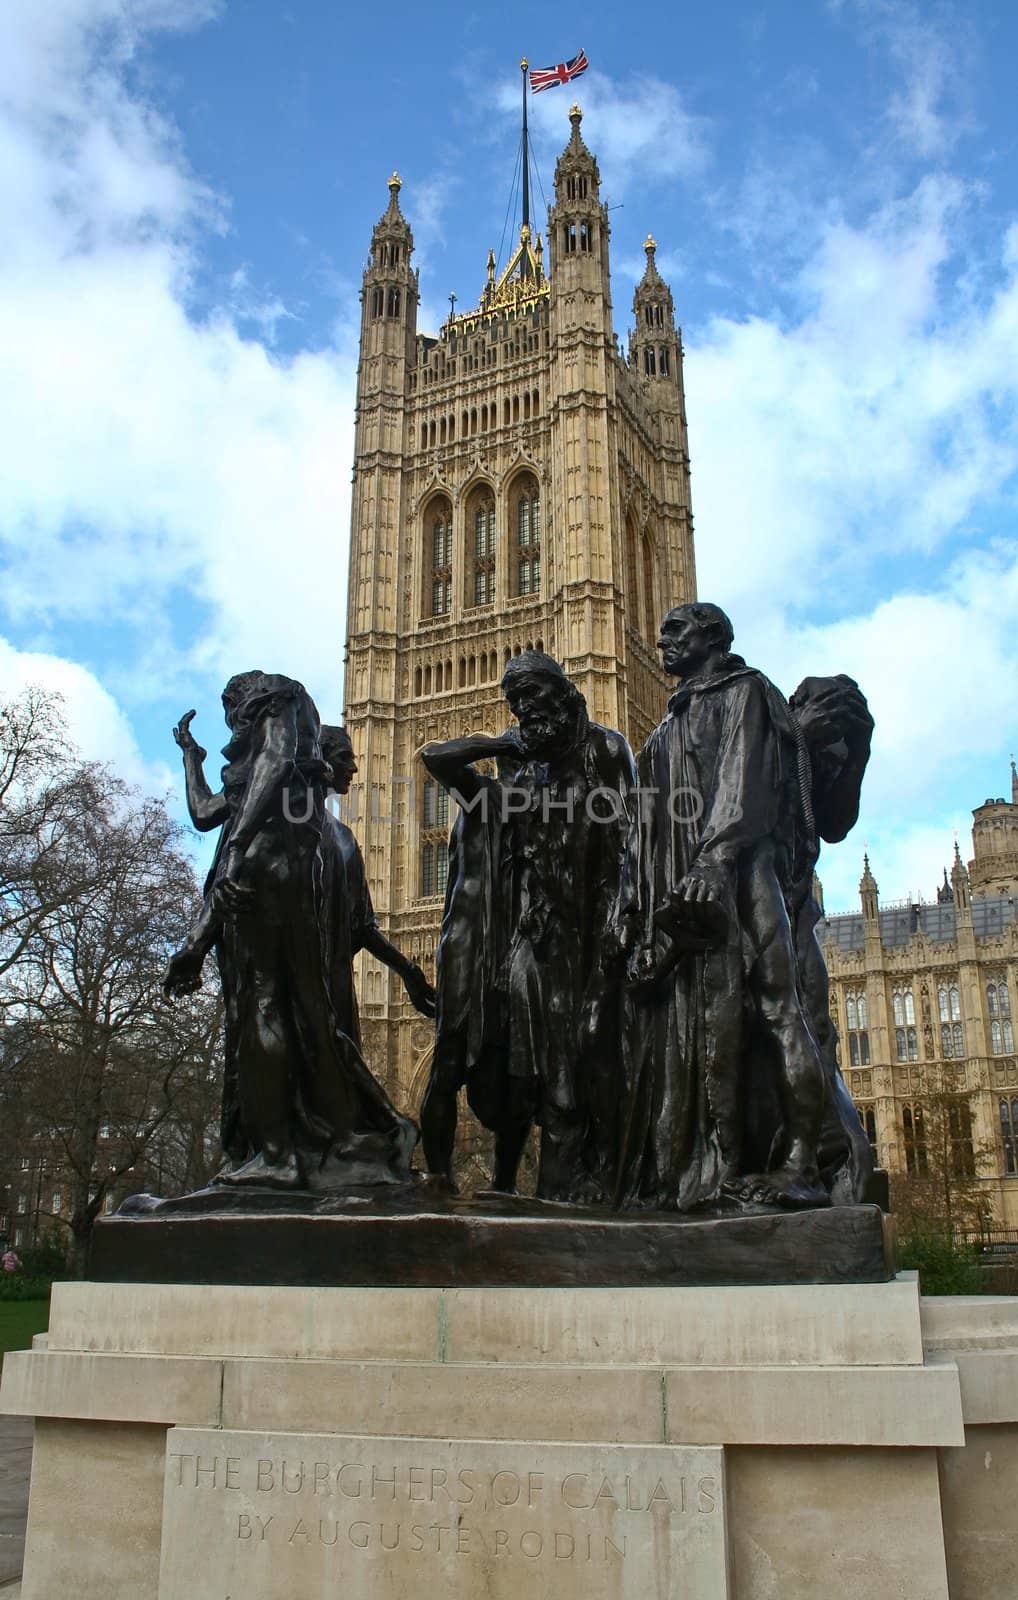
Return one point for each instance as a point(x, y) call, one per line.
point(439, 1183)
point(791, 1188)
point(261, 1174)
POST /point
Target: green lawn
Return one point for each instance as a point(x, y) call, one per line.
point(19, 1320)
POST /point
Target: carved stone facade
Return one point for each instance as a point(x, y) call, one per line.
point(925, 999)
point(519, 481)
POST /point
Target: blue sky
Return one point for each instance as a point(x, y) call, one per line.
point(188, 190)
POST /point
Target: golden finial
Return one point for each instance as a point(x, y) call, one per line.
point(395, 183)
point(574, 111)
point(650, 243)
point(524, 64)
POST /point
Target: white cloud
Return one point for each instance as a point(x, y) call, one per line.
point(871, 426)
point(926, 112)
point(640, 128)
point(861, 441)
point(97, 725)
point(143, 452)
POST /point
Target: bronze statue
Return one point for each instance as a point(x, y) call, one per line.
point(525, 1011)
point(724, 1091)
point(348, 899)
point(300, 1107)
point(836, 727)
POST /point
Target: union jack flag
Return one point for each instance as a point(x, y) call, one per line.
point(548, 77)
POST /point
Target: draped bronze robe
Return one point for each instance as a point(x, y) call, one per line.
point(717, 789)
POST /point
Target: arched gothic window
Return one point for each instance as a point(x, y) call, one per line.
point(868, 1117)
point(480, 564)
point(434, 837)
point(438, 557)
point(1009, 1135)
point(952, 1035)
point(959, 1129)
point(998, 1003)
point(913, 1125)
point(632, 583)
point(651, 614)
point(858, 1028)
point(525, 512)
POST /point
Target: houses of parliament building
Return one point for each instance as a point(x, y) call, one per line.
point(924, 996)
point(520, 481)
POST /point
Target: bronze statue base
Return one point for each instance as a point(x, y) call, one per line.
point(412, 1237)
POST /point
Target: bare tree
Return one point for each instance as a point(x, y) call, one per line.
point(42, 792)
point(96, 892)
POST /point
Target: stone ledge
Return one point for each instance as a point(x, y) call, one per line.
point(694, 1405)
point(808, 1325)
point(239, 1320)
point(969, 1321)
point(604, 1404)
point(989, 1383)
point(913, 1406)
point(870, 1406)
point(112, 1388)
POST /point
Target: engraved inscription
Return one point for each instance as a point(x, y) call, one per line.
point(249, 1507)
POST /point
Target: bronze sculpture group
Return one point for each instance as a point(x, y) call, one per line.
point(627, 956)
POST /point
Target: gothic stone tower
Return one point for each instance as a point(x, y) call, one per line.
point(518, 482)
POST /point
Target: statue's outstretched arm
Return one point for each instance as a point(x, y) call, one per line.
point(451, 763)
point(207, 810)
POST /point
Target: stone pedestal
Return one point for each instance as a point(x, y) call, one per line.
point(735, 1442)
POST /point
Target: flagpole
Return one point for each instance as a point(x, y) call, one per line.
point(526, 152)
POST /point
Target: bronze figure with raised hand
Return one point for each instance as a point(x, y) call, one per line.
point(300, 1108)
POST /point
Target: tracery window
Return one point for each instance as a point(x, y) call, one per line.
point(438, 551)
point(959, 1131)
point(651, 614)
point(913, 1125)
point(526, 512)
point(1009, 1135)
point(998, 1003)
point(952, 1035)
point(434, 837)
point(481, 560)
point(858, 1028)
